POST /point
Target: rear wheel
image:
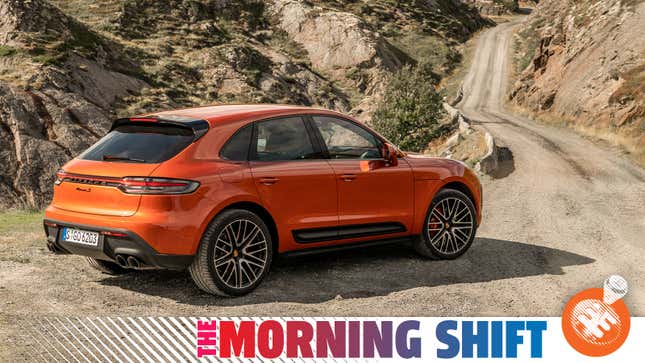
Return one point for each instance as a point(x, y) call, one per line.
point(450, 226)
point(234, 254)
point(107, 267)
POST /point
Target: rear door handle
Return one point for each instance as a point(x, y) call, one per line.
point(269, 180)
point(348, 177)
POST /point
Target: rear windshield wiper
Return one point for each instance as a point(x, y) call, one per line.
point(121, 158)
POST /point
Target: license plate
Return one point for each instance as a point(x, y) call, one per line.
point(81, 237)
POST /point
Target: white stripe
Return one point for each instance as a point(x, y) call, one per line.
point(108, 339)
point(178, 338)
point(25, 340)
point(59, 343)
point(189, 340)
point(90, 341)
point(100, 342)
point(170, 338)
point(143, 343)
point(160, 335)
point(134, 323)
point(188, 337)
point(79, 342)
point(39, 341)
point(134, 345)
point(126, 346)
point(50, 344)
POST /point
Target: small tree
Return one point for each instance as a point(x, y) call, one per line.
point(409, 112)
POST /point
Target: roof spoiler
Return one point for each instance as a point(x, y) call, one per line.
point(198, 126)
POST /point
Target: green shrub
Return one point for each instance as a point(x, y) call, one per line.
point(6, 51)
point(511, 5)
point(410, 110)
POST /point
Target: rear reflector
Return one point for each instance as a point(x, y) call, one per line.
point(132, 185)
point(114, 234)
point(143, 119)
point(51, 224)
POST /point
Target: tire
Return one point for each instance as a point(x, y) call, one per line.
point(107, 267)
point(449, 227)
point(242, 262)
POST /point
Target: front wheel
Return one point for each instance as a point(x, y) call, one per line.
point(450, 226)
point(234, 254)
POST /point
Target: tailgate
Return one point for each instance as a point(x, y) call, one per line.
point(90, 188)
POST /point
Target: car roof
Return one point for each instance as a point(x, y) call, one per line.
point(231, 113)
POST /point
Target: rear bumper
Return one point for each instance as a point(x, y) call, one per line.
point(109, 246)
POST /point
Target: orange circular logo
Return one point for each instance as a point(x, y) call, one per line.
point(595, 321)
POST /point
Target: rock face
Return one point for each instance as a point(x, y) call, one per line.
point(63, 81)
point(588, 67)
point(339, 42)
point(336, 40)
point(62, 111)
point(20, 16)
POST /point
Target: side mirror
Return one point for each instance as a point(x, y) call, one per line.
point(390, 155)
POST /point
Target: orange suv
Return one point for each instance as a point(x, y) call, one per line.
point(222, 190)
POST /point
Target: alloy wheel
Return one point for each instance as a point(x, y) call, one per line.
point(240, 253)
point(450, 226)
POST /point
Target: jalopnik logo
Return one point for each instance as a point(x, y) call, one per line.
point(595, 321)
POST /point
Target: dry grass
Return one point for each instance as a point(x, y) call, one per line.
point(631, 143)
point(97, 14)
point(450, 84)
point(20, 220)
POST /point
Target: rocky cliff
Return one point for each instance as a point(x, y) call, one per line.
point(69, 67)
point(581, 62)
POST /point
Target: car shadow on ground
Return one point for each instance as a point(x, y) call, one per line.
point(370, 272)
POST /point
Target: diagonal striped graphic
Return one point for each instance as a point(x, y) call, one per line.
point(126, 339)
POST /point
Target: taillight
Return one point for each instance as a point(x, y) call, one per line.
point(60, 176)
point(132, 184)
point(139, 185)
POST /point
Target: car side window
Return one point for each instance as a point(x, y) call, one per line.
point(237, 147)
point(347, 140)
point(283, 139)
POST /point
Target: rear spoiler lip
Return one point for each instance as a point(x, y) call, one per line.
point(199, 126)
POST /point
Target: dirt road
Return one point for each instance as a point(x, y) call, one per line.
point(565, 193)
point(568, 215)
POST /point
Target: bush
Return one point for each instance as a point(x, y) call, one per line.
point(409, 113)
point(511, 5)
point(6, 51)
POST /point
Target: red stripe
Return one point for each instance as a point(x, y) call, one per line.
point(143, 119)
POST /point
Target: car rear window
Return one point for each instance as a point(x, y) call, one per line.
point(140, 144)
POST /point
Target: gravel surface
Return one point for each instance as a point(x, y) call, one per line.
point(568, 215)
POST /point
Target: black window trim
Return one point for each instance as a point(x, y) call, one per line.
point(321, 140)
point(252, 155)
point(315, 137)
point(230, 138)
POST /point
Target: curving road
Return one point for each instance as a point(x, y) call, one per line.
point(565, 193)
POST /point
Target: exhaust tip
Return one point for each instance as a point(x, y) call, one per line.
point(133, 262)
point(120, 259)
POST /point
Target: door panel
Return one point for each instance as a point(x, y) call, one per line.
point(370, 190)
point(294, 182)
point(300, 194)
